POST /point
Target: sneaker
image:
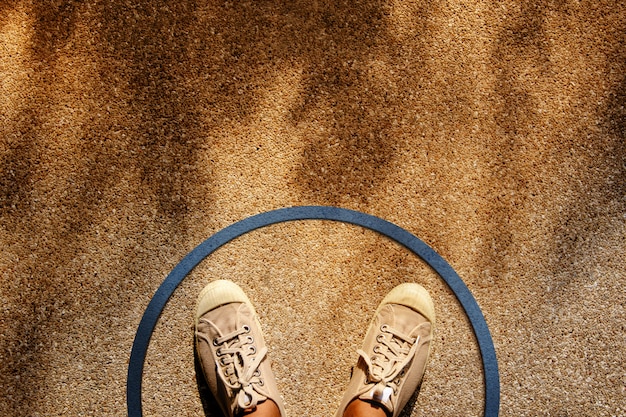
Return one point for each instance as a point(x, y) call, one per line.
point(393, 358)
point(231, 350)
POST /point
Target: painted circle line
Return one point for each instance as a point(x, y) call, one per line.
point(390, 230)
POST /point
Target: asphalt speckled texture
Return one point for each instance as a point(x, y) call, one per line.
point(132, 131)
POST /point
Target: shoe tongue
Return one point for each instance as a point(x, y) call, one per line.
point(380, 394)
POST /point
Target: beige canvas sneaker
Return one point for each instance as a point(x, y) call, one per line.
point(393, 358)
point(231, 350)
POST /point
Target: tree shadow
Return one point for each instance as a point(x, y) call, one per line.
point(348, 157)
point(523, 46)
point(521, 42)
point(53, 219)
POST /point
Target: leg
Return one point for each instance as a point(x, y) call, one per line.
point(267, 408)
point(360, 408)
point(232, 353)
point(393, 358)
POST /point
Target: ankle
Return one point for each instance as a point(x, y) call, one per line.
point(267, 408)
point(360, 408)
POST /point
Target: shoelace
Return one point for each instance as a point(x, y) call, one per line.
point(391, 355)
point(239, 362)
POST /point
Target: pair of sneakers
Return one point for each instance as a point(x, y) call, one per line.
point(233, 355)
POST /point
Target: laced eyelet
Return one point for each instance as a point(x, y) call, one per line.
point(384, 327)
point(380, 338)
point(257, 373)
point(250, 340)
point(215, 342)
point(375, 349)
point(246, 328)
point(222, 361)
point(218, 352)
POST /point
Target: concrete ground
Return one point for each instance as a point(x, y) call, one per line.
point(132, 131)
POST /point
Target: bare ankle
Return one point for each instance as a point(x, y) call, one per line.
point(360, 408)
point(267, 408)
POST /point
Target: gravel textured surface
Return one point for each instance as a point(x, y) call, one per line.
point(130, 131)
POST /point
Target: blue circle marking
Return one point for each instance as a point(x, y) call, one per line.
point(401, 236)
